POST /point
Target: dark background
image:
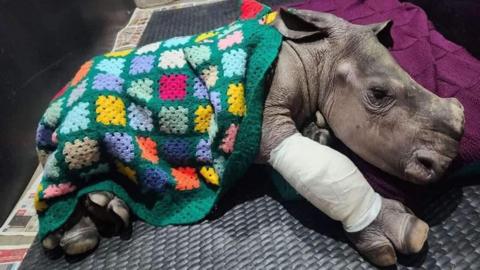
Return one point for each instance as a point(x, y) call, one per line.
point(42, 44)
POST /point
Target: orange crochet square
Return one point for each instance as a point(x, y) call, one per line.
point(149, 149)
point(82, 72)
point(186, 177)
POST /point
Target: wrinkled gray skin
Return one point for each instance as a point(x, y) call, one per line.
point(340, 75)
point(371, 104)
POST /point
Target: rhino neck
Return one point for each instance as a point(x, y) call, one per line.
point(292, 97)
point(315, 60)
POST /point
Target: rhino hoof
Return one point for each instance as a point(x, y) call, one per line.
point(109, 213)
point(395, 229)
point(101, 214)
point(382, 256)
point(417, 233)
point(81, 238)
point(320, 135)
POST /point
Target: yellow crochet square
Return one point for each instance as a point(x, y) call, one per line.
point(270, 17)
point(205, 36)
point(202, 119)
point(111, 111)
point(118, 53)
point(39, 204)
point(127, 171)
point(236, 99)
point(210, 175)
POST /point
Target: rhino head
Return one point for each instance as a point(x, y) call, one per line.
point(370, 103)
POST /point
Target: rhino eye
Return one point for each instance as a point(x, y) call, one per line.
point(378, 93)
point(378, 99)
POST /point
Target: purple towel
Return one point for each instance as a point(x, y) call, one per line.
point(436, 63)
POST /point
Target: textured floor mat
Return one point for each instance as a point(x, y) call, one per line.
point(261, 233)
point(194, 20)
point(252, 230)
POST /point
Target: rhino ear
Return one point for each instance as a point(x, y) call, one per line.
point(382, 31)
point(299, 24)
point(379, 27)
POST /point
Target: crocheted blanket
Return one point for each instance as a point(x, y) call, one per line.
point(167, 127)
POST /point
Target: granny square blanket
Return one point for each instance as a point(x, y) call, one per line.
point(166, 127)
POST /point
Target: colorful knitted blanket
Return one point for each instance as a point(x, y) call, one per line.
point(167, 127)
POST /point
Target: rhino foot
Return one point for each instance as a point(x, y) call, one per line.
point(395, 228)
point(81, 238)
point(100, 214)
point(318, 130)
point(109, 213)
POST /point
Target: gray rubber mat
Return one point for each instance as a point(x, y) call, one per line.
point(262, 233)
point(253, 230)
point(189, 21)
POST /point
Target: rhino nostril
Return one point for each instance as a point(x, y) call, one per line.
point(427, 166)
point(426, 162)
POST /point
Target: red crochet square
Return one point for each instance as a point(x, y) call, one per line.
point(250, 9)
point(173, 87)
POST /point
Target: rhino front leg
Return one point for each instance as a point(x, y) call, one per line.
point(395, 228)
point(332, 183)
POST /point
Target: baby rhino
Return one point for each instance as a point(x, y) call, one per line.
point(342, 75)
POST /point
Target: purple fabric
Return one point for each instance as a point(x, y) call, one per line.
point(204, 152)
point(44, 135)
point(176, 150)
point(436, 63)
point(201, 91)
point(155, 179)
point(120, 145)
point(142, 64)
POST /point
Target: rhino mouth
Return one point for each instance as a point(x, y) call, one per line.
point(426, 166)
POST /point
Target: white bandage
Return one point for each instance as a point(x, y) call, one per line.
point(328, 180)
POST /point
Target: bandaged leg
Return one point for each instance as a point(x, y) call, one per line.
point(328, 180)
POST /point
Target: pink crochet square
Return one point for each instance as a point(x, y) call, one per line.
point(173, 87)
